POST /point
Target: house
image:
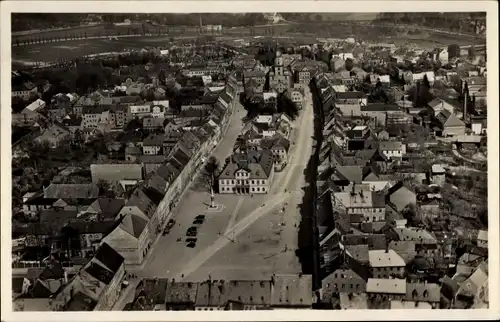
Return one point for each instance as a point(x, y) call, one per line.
point(36, 106)
point(386, 263)
point(347, 276)
point(26, 91)
point(100, 279)
point(153, 144)
point(428, 293)
point(296, 96)
point(26, 118)
point(437, 105)
point(337, 63)
point(130, 239)
point(114, 173)
point(54, 135)
point(103, 209)
point(400, 196)
point(90, 233)
point(233, 295)
point(140, 204)
point(482, 239)
point(438, 174)
point(450, 124)
point(392, 149)
point(254, 78)
point(370, 205)
point(181, 296)
point(392, 289)
point(291, 291)
point(250, 172)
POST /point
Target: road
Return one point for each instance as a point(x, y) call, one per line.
point(239, 218)
point(292, 180)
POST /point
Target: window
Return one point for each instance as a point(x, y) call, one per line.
point(232, 181)
point(351, 285)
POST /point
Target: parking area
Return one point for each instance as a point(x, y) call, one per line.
point(169, 255)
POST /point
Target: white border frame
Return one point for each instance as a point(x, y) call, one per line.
point(491, 7)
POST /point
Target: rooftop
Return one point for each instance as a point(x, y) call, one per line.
point(386, 286)
point(385, 258)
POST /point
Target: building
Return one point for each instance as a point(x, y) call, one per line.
point(370, 205)
point(36, 106)
point(131, 238)
point(438, 105)
point(393, 289)
point(54, 135)
point(113, 173)
point(296, 95)
point(449, 124)
point(26, 91)
point(250, 172)
point(386, 263)
point(392, 149)
point(230, 295)
point(482, 239)
point(280, 77)
point(425, 293)
point(291, 291)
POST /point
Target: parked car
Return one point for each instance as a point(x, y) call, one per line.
point(191, 245)
point(198, 220)
point(170, 223)
point(192, 232)
point(191, 240)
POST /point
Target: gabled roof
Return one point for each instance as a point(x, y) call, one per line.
point(140, 200)
point(109, 257)
point(71, 191)
point(423, 292)
point(385, 258)
point(386, 286)
point(133, 225)
point(351, 173)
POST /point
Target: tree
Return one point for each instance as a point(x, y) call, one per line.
point(70, 241)
point(211, 171)
point(103, 186)
point(349, 64)
point(285, 105)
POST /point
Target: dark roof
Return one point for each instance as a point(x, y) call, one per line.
point(99, 272)
point(350, 95)
point(39, 290)
point(109, 257)
point(53, 270)
point(57, 218)
point(80, 302)
point(93, 227)
point(374, 241)
point(380, 107)
point(110, 207)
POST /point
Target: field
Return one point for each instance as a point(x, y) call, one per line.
point(301, 33)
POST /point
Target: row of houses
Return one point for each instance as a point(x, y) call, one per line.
point(370, 254)
point(278, 292)
point(150, 189)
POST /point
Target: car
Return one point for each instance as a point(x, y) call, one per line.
point(170, 223)
point(191, 240)
point(200, 217)
point(197, 222)
point(166, 231)
point(192, 228)
point(191, 233)
point(191, 245)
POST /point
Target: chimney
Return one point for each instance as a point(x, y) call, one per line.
point(387, 248)
point(465, 106)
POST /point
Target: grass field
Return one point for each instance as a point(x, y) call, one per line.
point(70, 49)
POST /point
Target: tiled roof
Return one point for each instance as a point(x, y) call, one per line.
point(292, 290)
point(383, 258)
point(386, 286)
point(115, 172)
point(71, 191)
point(109, 257)
point(134, 225)
point(98, 272)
